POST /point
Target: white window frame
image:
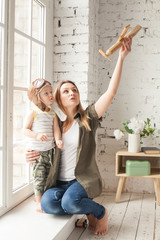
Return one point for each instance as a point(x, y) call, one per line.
point(11, 199)
point(4, 137)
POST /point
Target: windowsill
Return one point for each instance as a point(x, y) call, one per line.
point(23, 222)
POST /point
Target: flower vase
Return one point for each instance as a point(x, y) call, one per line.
point(134, 143)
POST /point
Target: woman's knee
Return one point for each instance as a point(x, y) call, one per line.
point(51, 202)
point(71, 201)
point(69, 204)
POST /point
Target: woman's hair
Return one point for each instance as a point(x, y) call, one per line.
point(33, 93)
point(57, 98)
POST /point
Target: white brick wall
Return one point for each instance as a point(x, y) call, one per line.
point(138, 93)
point(80, 29)
point(71, 43)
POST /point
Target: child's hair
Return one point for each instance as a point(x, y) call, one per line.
point(57, 98)
point(34, 90)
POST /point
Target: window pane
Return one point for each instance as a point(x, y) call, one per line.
point(37, 61)
point(31, 173)
point(2, 3)
point(38, 21)
point(1, 178)
point(1, 116)
point(21, 61)
point(22, 15)
point(1, 138)
point(1, 54)
point(19, 167)
point(19, 164)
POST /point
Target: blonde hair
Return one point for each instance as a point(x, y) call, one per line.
point(33, 94)
point(79, 109)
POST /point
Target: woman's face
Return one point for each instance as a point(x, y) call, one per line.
point(69, 95)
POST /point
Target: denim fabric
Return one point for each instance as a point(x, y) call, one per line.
point(70, 198)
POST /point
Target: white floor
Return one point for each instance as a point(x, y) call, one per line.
point(136, 217)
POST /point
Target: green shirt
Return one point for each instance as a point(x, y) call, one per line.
point(86, 171)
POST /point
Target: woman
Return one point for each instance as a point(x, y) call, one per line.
point(74, 179)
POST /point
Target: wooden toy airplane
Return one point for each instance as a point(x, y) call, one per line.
point(118, 44)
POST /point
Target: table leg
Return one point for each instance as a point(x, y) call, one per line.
point(124, 184)
point(157, 189)
point(120, 188)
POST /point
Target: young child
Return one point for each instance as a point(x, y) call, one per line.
point(42, 129)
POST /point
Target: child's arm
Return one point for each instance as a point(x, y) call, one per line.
point(28, 125)
point(57, 132)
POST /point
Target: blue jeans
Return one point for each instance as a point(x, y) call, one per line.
point(70, 198)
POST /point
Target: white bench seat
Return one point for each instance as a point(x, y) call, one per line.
point(23, 222)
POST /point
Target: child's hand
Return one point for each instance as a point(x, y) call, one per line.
point(41, 137)
point(59, 143)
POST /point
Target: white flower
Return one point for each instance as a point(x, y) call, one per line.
point(118, 134)
point(136, 125)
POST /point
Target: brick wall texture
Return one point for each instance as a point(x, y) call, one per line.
point(80, 29)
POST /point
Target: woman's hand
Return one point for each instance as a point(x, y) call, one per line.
point(126, 47)
point(31, 156)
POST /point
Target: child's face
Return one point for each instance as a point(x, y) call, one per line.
point(46, 95)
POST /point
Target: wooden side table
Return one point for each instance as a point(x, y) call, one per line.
point(122, 156)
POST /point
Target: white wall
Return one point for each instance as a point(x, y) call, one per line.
point(139, 89)
point(80, 29)
point(71, 43)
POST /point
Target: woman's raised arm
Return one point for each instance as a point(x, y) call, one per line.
point(104, 101)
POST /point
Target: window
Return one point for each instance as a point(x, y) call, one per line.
point(25, 54)
point(2, 31)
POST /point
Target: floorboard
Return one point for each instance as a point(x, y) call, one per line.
point(147, 218)
point(135, 217)
point(157, 223)
point(131, 218)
